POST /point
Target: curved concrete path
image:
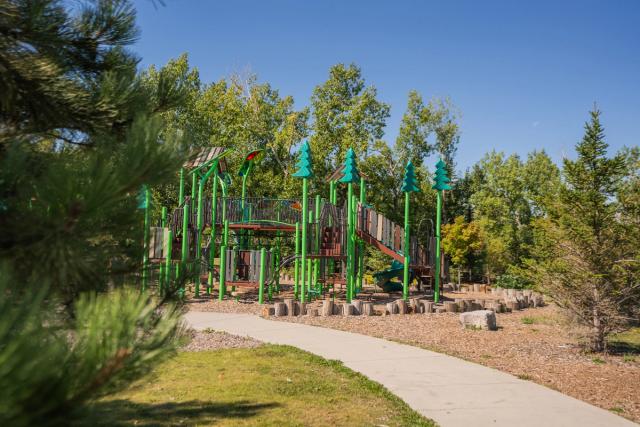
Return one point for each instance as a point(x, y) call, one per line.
point(450, 391)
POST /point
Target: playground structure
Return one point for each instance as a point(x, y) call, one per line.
point(228, 243)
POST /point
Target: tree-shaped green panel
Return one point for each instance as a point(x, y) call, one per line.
point(441, 180)
point(351, 173)
point(304, 162)
point(409, 182)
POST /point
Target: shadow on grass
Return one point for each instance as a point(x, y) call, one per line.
point(621, 347)
point(125, 412)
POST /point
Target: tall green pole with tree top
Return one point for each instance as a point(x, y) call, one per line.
point(441, 183)
point(409, 185)
point(305, 172)
point(351, 176)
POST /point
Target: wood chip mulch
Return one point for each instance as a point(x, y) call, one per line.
point(214, 340)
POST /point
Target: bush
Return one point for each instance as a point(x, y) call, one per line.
point(513, 281)
point(51, 368)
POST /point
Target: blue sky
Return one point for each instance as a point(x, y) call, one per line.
point(522, 74)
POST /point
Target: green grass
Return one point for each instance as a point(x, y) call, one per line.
point(626, 342)
point(267, 386)
point(598, 361)
point(528, 320)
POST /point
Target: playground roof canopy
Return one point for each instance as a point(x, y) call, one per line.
point(205, 155)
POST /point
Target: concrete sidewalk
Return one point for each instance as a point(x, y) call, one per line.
point(450, 391)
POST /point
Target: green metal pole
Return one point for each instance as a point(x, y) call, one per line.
point(296, 262)
point(305, 208)
point(223, 267)
point(167, 260)
point(350, 248)
point(164, 216)
point(363, 200)
point(185, 232)
point(309, 276)
point(407, 248)
point(181, 196)
point(212, 246)
point(225, 236)
point(436, 293)
point(199, 236)
point(193, 191)
point(316, 262)
point(263, 262)
point(147, 220)
point(332, 186)
point(273, 279)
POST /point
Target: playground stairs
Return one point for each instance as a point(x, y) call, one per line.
point(331, 241)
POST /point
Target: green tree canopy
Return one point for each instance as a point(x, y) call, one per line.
point(345, 114)
point(584, 255)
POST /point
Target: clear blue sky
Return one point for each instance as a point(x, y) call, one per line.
point(522, 74)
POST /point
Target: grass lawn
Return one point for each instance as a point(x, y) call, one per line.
point(267, 386)
point(626, 342)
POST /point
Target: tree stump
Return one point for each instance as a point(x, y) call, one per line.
point(357, 307)
point(337, 309)
point(391, 308)
point(291, 308)
point(450, 307)
point(312, 312)
point(347, 309)
point(301, 308)
point(513, 305)
point(415, 305)
point(481, 303)
point(268, 311)
point(402, 306)
point(427, 307)
point(367, 309)
point(439, 309)
point(476, 287)
point(327, 308)
point(280, 309)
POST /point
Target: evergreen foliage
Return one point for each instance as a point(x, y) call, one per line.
point(80, 134)
point(50, 368)
point(585, 257)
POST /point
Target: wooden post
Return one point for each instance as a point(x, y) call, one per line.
point(327, 307)
point(357, 307)
point(367, 309)
point(280, 309)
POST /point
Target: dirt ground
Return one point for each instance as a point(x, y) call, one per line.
point(535, 344)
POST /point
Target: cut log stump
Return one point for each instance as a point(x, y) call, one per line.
point(327, 307)
point(280, 309)
point(391, 308)
point(347, 309)
point(450, 307)
point(402, 306)
point(427, 307)
point(367, 309)
point(357, 307)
